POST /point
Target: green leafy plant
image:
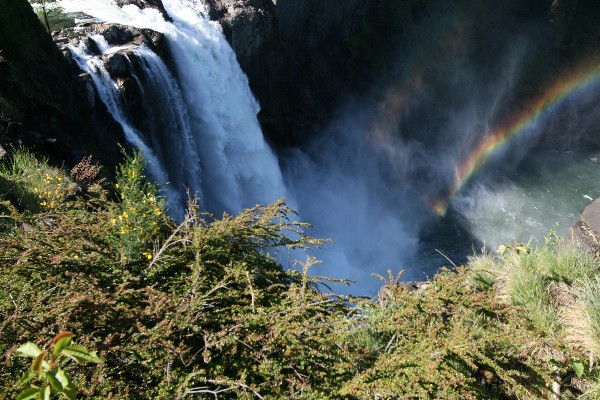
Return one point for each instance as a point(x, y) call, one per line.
point(140, 212)
point(45, 376)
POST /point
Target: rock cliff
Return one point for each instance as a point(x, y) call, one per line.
point(43, 102)
point(301, 57)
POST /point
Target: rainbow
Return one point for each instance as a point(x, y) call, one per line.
point(577, 81)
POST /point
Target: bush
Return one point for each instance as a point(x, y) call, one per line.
point(203, 308)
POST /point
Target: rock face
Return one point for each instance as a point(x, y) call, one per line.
point(43, 102)
point(247, 24)
point(301, 57)
point(586, 231)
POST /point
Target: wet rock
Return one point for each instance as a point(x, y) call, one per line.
point(246, 24)
point(117, 64)
point(118, 34)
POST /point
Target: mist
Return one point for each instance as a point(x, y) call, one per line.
point(369, 178)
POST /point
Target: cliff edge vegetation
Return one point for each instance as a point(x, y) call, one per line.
point(203, 308)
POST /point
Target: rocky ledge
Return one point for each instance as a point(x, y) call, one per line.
point(586, 232)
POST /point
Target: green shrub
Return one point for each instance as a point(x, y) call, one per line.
point(140, 212)
point(46, 377)
point(203, 308)
point(447, 340)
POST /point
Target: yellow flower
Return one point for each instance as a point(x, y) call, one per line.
point(117, 185)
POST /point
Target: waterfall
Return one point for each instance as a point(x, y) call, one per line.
point(110, 95)
point(231, 164)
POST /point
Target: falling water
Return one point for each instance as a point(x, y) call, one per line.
point(238, 169)
point(111, 96)
point(370, 179)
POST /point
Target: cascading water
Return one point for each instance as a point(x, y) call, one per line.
point(374, 180)
point(110, 95)
point(238, 168)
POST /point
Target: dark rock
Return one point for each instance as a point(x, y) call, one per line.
point(43, 106)
point(117, 64)
point(247, 24)
point(297, 55)
point(118, 34)
point(88, 89)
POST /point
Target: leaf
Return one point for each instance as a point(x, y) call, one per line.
point(38, 363)
point(502, 249)
point(578, 367)
point(61, 383)
point(27, 376)
point(81, 354)
point(44, 393)
point(29, 393)
point(28, 349)
point(61, 344)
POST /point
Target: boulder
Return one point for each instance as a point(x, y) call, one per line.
point(586, 232)
point(117, 64)
point(117, 34)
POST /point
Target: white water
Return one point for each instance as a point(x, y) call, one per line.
point(527, 206)
point(360, 183)
point(238, 169)
point(110, 95)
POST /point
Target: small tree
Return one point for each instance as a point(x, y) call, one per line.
point(45, 377)
point(51, 16)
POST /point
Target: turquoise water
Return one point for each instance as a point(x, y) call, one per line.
point(546, 192)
